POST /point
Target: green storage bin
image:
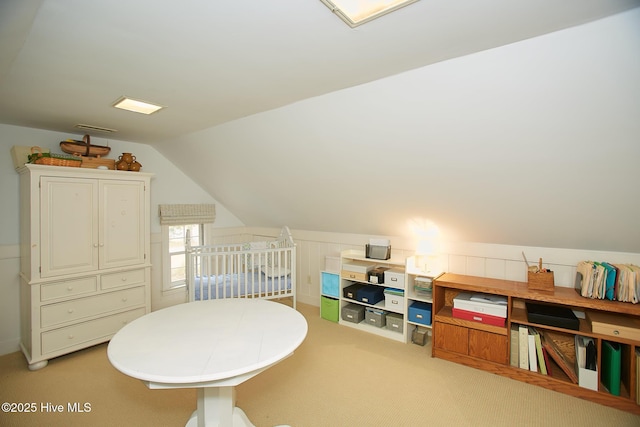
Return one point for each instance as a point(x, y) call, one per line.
point(329, 309)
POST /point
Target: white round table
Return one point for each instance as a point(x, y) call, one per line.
point(211, 345)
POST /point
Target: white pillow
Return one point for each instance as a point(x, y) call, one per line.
point(275, 271)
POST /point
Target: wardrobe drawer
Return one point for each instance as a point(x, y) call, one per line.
point(122, 278)
point(69, 311)
point(68, 288)
point(104, 327)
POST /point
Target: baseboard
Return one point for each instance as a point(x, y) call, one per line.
point(9, 346)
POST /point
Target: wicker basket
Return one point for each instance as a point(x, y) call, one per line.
point(40, 158)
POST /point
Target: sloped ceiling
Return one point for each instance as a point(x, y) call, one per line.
point(241, 80)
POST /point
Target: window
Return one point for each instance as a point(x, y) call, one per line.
point(177, 221)
point(176, 235)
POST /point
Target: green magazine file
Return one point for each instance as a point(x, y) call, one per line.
point(611, 358)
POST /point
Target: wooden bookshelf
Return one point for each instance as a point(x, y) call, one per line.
point(488, 347)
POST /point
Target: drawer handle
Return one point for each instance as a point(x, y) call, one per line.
point(352, 276)
point(124, 299)
point(70, 288)
point(70, 337)
point(124, 279)
point(394, 279)
point(70, 311)
point(616, 332)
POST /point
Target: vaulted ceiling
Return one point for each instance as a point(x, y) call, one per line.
point(502, 148)
point(64, 62)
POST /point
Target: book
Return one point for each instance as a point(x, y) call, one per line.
point(561, 349)
point(515, 345)
point(541, 363)
point(533, 360)
point(638, 376)
point(547, 361)
point(523, 347)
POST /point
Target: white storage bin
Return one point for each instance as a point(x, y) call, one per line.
point(393, 302)
point(394, 278)
point(357, 266)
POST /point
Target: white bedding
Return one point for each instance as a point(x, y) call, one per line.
point(253, 283)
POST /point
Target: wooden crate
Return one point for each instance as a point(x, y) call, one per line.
point(541, 281)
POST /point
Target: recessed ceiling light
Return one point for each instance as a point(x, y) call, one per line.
point(357, 12)
point(136, 106)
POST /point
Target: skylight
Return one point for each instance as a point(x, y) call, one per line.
point(136, 106)
point(357, 12)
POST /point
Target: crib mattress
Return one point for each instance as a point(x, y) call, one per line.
point(240, 285)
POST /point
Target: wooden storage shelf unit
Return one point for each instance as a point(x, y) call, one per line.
point(489, 347)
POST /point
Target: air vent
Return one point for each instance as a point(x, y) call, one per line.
point(95, 128)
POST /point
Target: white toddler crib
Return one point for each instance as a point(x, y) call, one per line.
point(262, 269)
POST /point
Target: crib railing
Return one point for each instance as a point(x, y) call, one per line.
point(246, 270)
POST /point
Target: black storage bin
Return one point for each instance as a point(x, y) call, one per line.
point(351, 291)
point(370, 294)
point(376, 275)
point(552, 315)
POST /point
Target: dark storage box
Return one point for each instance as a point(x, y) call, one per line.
point(370, 294)
point(420, 312)
point(351, 291)
point(376, 275)
point(394, 322)
point(375, 317)
point(353, 313)
point(552, 315)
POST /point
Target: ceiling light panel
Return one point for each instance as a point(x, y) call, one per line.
point(136, 106)
point(357, 12)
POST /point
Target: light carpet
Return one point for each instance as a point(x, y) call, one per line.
point(338, 377)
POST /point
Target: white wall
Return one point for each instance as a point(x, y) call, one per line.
point(526, 144)
point(169, 185)
point(475, 259)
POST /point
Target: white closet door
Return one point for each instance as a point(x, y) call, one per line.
point(69, 233)
point(122, 230)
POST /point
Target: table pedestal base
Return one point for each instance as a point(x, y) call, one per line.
point(217, 408)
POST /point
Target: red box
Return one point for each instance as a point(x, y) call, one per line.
point(479, 317)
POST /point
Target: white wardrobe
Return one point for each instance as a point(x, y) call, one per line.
point(85, 261)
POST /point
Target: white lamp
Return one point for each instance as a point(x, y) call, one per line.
point(426, 255)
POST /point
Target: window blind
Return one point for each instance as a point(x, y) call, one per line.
point(182, 214)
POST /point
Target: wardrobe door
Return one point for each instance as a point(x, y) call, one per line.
point(122, 229)
point(68, 226)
